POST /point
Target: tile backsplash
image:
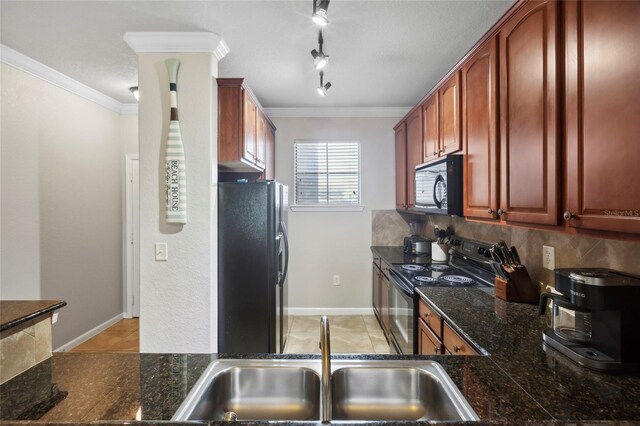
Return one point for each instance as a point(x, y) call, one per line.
point(390, 227)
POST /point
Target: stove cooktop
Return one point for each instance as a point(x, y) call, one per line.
point(436, 275)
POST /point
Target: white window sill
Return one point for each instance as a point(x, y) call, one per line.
point(327, 208)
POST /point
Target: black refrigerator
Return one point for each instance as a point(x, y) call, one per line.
point(253, 258)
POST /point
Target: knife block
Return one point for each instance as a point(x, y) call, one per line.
point(518, 288)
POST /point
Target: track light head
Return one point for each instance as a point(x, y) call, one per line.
point(319, 15)
point(134, 92)
point(322, 89)
point(314, 53)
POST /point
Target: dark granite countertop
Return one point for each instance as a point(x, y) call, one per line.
point(511, 333)
point(16, 312)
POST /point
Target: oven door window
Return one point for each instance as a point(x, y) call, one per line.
point(401, 318)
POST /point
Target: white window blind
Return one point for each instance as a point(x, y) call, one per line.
point(327, 173)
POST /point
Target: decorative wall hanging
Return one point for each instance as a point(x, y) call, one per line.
point(176, 182)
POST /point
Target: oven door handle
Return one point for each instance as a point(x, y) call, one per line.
point(397, 282)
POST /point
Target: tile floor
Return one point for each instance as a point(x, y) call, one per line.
point(349, 334)
point(120, 337)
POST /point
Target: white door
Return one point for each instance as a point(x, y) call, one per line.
point(132, 232)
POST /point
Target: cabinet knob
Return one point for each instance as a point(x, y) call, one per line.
point(435, 152)
point(426, 314)
point(501, 212)
point(441, 151)
point(436, 349)
point(457, 348)
point(490, 210)
point(568, 215)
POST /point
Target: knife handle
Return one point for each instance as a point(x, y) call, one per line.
point(515, 254)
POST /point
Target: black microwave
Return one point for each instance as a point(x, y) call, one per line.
point(438, 187)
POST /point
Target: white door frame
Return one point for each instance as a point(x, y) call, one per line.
point(129, 254)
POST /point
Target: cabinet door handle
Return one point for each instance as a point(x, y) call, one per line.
point(568, 215)
point(490, 210)
point(457, 348)
point(435, 152)
point(436, 349)
point(501, 212)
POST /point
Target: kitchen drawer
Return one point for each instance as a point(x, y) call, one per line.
point(384, 266)
point(455, 344)
point(428, 343)
point(377, 260)
point(433, 320)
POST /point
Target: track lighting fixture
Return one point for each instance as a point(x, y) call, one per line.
point(320, 12)
point(322, 89)
point(134, 91)
point(320, 59)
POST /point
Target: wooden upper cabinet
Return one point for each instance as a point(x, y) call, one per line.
point(449, 114)
point(250, 128)
point(603, 115)
point(431, 136)
point(414, 151)
point(401, 165)
point(270, 153)
point(246, 136)
point(479, 132)
point(528, 109)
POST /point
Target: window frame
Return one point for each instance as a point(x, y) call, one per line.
point(359, 206)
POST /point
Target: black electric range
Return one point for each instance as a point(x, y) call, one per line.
point(469, 265)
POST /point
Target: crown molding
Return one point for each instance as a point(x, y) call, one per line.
point(145, 42)
point(129, 109)
point(31, 66)
point(352, 112)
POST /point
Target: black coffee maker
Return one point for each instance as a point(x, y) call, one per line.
point(595, 319)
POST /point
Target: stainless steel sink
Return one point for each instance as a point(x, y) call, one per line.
point(397, 393)
point(254, 391)
point(289, 389)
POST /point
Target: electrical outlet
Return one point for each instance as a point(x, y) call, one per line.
point(336, 280)
point(161, 252)
point(548, 257)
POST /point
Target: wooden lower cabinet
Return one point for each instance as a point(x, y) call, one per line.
point(603, 115)
point(428, 342)
point(376, 291)
point(454, 343)
point(380, 292)
point(436, 337)
point(384, 302)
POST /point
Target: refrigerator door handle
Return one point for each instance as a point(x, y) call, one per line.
point(286, 254)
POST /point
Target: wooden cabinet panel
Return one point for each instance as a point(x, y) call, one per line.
point(428, 343)
point(270, 153)
point(602, 115)
point(384, 302)
point(401, 166)
point(376, 293)
point(528, 108)
point(431, 138)
point(449, 114)
point(250, 131)
point(261, 139)
point(454, 343)
point(433, 320)
point(480, 138)
point(414, 151)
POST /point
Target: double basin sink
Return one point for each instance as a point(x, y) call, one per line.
point(290, 390)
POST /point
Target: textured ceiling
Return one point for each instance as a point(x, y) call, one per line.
point(382, 53)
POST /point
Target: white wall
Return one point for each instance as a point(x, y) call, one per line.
point(328, 243)
point(61, 202)
point(178, 298)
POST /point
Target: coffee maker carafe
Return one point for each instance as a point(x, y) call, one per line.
point(595, 319)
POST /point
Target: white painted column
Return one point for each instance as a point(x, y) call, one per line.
point(178, 298)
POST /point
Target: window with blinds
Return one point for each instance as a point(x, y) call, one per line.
point(327, 173)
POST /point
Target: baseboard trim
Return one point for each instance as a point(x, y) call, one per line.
point(330, 311)
point(89, 334)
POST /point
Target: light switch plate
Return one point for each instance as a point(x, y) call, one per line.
point(161, 252)
point(548, 257)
